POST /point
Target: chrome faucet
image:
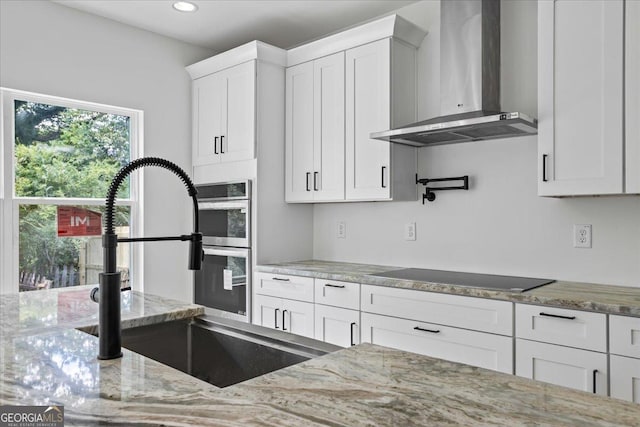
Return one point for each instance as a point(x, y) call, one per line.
point(107, 295)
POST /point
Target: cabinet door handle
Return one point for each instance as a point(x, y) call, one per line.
point(221, 144)
point(544, 167)
point(382, 177)
point(215, 145)
point(433, 331)
point(352, 325)
point(283, 328)
point(315, 181)
point(307, 178)
point(595, 371)
point(280, 280)
point(275, 318)
point(334, 286)
point(558, 316)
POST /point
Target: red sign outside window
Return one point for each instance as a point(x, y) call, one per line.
point(75, 222)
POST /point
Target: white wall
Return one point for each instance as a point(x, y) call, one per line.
point(499, 226)
point(55, 50)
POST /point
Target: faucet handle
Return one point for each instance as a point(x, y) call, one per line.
point(196, 253)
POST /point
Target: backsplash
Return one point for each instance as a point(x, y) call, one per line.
point(499, 226)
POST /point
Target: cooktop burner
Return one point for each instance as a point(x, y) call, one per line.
point(472, 280)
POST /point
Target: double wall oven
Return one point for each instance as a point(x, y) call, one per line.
point(223, 285)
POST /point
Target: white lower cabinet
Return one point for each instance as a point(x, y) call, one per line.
point(338, 326)
point(458, 345)
point(565, 366)
point(625, 378)
point(624, 346)
point(287, 315)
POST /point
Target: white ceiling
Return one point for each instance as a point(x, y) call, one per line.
point(223, 24)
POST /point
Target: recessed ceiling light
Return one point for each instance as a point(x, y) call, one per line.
point(185, 6)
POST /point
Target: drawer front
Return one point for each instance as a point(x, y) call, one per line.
point(625, 378)
point(337, 294)
point(572, 328)
point(338, 326)
point(451, 310)
point(565, 366)
point(624, 336)
point(457, 345)
point(280, 285)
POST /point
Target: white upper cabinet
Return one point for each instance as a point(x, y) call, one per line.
point(581, 92)
point(315, 130)
point(380, 95)
point(299, 133)
point(237, 111)
point(632, 97)
point(224, 115)
point(339, 90)
point(368, 110)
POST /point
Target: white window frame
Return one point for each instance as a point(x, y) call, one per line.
point(9, 230)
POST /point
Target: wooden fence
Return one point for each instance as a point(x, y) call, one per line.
point(57, 278)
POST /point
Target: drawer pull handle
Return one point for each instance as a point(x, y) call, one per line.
point(281, 280)
point(283, 313)
point(275, 318)
point(352, 325)
point(558, 316)
point(595, 371)
point(433, 331)
point(334, 286)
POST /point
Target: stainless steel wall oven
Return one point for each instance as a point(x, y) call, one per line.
point(223, 285)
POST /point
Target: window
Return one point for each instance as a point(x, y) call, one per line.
point(59, 156)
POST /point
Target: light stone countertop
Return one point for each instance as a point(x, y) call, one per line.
point(43, 360)
point(609, 299)
point(35, 311)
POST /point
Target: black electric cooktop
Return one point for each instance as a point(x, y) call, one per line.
point(472, 280)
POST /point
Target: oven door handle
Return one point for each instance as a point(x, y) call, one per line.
point(220, 251)
point(223, 206)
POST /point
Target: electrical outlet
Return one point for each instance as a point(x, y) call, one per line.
point(581, 235)
point(410, 231)
point(342, 230)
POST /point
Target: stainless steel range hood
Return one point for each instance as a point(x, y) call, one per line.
point(469, 82)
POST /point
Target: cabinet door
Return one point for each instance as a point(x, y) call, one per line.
point(632, 96)
point(207, 118)
point(625, 378)
point(368, 100)
point(267, 311)
point(458, 345)
point(337, 326)
point(328, 133)
point(580, 99)
point(565, 366)
point(299, 118)
point(238, 112)
point(297, 317)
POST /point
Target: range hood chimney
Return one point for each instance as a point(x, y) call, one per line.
point(469, 82)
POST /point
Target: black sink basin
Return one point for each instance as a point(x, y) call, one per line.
point(220, 351)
